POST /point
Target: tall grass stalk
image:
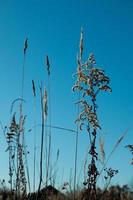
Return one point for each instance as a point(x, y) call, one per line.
point(21, 146)
point(21, 116)
point(43, 109)
point(34, 150)
point(49, 113)
point(20, 125)
point(78, 110)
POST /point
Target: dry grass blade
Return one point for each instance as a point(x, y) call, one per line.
point(16, 100)
point(55, 127)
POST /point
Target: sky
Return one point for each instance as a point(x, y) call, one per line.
point(53, 28)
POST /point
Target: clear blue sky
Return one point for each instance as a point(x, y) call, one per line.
point(53, 28)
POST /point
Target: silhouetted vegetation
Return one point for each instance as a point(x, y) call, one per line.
point(91, 80)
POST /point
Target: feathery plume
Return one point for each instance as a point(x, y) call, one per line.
point(48, 65)
point(101, 145)
point(120, 139)
point(81, 45)
point(25, 45)
point(58, 153)
point(33, 88)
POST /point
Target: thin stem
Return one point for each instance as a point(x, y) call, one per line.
point(26, 161)
point(58, 127)
point(76, 150)
point(34, 171)
point(42, 140)
point(50, 136)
